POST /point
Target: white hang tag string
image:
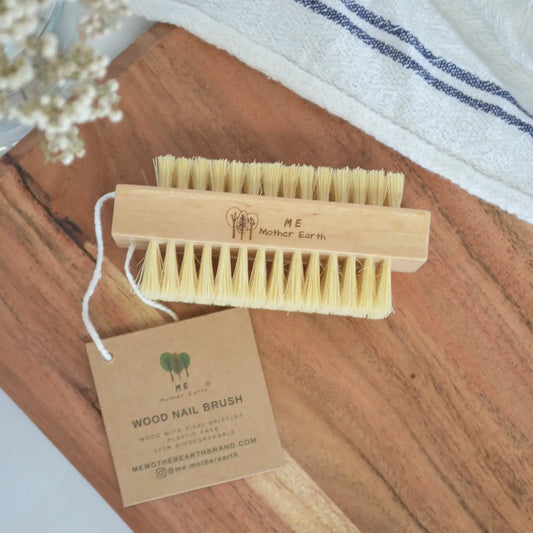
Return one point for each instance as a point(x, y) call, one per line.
point(97, 274)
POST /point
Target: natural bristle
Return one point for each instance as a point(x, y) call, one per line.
point(331, 296)
point(200, 173)
point(223, 283)
point(240, 277)
point(164, 167)
point(383, 299)
point(323, 183)
point(295, 281)
point(342, 185)
point(206, 279)
point(312, 289)
point(376, 187)
point(289, 181)
point(188, 277)
point(395, 189)
point(258, 280)
point(218, 174)
point(272, 279)
point(342, 286)
point(306, 182)
point(373, 187)
point(236, 176)
point(252, 179)
point(170, 283)
point(271, 176)
point(360, 180)
point(276, 282)
point(182, 172)
point(349, 284)
point(367, 286)
point(150, 273)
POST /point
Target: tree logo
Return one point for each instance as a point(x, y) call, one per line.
point(175, 363)
point(241, 222)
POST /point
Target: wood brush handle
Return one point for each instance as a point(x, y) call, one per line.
point(145, 213)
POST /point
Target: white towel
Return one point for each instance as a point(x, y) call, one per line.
point(447, 83)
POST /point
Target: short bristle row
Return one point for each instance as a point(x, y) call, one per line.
point(375, 187)
point(242, 277)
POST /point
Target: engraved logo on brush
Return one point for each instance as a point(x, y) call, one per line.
point(241, 222)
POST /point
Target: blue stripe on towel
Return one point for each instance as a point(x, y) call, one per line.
point(442, 64)
point(409, 63)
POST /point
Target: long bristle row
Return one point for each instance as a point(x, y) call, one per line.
point(375, 187)
point(242, 277)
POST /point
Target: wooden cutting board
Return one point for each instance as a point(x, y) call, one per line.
point(414, 423)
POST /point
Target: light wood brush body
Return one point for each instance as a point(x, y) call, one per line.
point(272, 236)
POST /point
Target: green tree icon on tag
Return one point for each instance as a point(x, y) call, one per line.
point(175, 363)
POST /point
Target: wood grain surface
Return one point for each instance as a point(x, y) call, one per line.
point(362, 230)
point(420, 422)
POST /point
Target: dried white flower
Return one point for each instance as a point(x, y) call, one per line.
point(116, 116)
point(49, 46)
point(104, 17)
point(18, 19)
point(77, 72)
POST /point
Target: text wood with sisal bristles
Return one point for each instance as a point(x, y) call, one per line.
point(320, 250)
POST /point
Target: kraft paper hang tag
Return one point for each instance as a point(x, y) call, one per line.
point(185, 406)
